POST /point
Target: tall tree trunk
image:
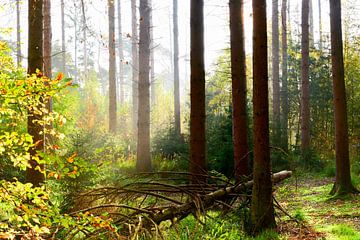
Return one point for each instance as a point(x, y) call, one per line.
point(35, 61)
point(143, 163)
point(18, 35)
point(305, 85)
point(75, 44)
point(135, 66)
point(284, 85)
point(152, 60)
point(275, 72)
point(311, 22)
point(176, 70)
point(84, 31)
point(47, 38)
point(262, 209)
point(197, 92)
point(63, 48)
point(239, 102)
point(320, 26)
point(121, 55)
point(343, 183)
point(112, 69)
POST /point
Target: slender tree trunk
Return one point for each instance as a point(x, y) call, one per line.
point(63, 48)
point(84, 31)
point(305, 85)
point(75, 45)
point(239, 102)
point(197, 92)
point(320, 26)
point(275, 72)
point(262, 209)
point(47, 38)
point(135, 66)
point(343, 183)
point(152, 60)
point(284, 85)
point(121, 55)
point(143, 163)
point(18, 35)
point(35, 61)
point(176, 70)
point(112, 69)
point(311, 22)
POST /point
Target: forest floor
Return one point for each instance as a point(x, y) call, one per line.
point(314, 215)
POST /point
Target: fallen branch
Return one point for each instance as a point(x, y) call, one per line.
point(206, 201)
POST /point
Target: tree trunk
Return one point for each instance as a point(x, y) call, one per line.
point(152, 60)
point(311, 26)
point(143, 163)
point(84, 30)
point(47, 38)
point(176, 70)
point(35, 61)
point(305, 85)
point(63, 49)
point(135, 66)
point(121, 55)
point(112, 69)
point(320, 26)
point(18, 35)
point(197, 92)
point(75, 44)
point(275, 72)
point(239, 102)
point(262, 209)
point(284, 85)
point(343, 183)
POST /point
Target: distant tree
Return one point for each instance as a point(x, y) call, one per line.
point(262, 209)
point(275, 72)
point(305, 84)
point(121, 55)
point(47, 41)
point(343, 184)
point(284, 77)
point(35, 62)
point(84, 40)
point(239, 101)
point(320, 26)
point(63, 48)
point(311, 23)
point(112, 69)
point(135, 65)
point(143, 163)
point(176, 70)
point(18, 35)
point(197, 93)
point(152, 59)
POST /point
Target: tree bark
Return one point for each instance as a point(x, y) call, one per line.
point(275, 72)
point(135, 66)
point(284, 85)
point(197, 92)
point(143, 163)
point(343, 183)
point(35, 62)
point(63, 48)
point(112, 69)
point(305, 85)
point(84, 31)
point(239, 101)
point(176, 70)
point(121, 55)
point(18, 35)
point(262, 209)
